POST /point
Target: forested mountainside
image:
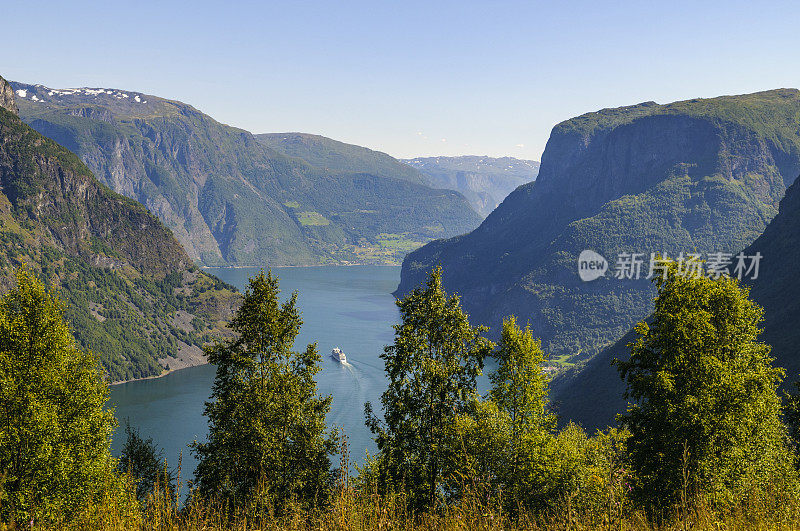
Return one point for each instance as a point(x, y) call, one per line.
point(132, 294)
point(332, 155)
point(593, 394)
point(229, 198)
point(702, 175)
point(484, 181)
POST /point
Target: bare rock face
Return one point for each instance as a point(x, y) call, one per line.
point(7, 97)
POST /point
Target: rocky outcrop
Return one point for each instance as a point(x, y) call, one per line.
point(7, 97)
point(703, 175)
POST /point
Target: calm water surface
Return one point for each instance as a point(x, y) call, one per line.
point(348, 307)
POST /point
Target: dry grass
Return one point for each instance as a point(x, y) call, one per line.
point(353, 510)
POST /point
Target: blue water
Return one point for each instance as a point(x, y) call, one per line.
point(348, 307)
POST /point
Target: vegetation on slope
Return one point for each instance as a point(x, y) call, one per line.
point(591, 394)
point(132, 294)
point(334, 156)
point(777, 287)
point(705, 455)
point(229, 197)
point(701, 175)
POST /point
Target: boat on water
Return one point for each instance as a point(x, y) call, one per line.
point(338, 355)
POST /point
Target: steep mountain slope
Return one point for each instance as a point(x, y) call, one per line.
point(593, 396)
point(484, 181)
point(701, 175)
point(332, 155)
point(777, 287)
point(132, 294)
point(231, 199)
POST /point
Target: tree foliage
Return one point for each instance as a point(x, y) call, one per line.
point(54, 431)
point(519, 388)
point(507, 441)
point(432, 369)
point(266, 444)
point(144, 462)
point(705, 417)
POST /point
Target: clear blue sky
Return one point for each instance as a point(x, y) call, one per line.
point(409, 78)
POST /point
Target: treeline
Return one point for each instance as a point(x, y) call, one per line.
point(707, 441)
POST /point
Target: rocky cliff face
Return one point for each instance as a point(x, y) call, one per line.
point(701, 175)
point(124, 277)
point(231, 198)
point(484, 181)
point(7, 97)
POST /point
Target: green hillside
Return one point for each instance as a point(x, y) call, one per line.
point(132, 294)
point(700, 175)
point(777, 287)
point(332, 155)
point(228, 197)
point(592, 395)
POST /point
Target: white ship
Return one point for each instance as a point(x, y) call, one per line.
point(338, 355)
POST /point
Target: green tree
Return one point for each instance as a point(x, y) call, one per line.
point(506, 441)
point(705, 418)
point(520, 390)
point(267, 446)
point(792, 413)
point(432, 368)
point(54, 432)
point(145, 463)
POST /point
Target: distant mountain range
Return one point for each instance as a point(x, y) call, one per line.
point(132, 294)
point(592, 396)
point(234, 198)
point(484, 181)
point(704, 174)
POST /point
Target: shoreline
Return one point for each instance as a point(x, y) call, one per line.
point(169, 371)
point(155, 376)
point(287, 266)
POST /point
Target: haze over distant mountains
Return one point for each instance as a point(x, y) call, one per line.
point(132, 294)
point(233, 198)
point(484, 181)
point(704, 174)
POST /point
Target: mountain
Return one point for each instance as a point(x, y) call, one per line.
point(484, 181)
point(332, 155)
point(230, 198)
point(593, 396)
point(777, 287)
point(702, 175)
point(132, 294)
point(7, 101)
